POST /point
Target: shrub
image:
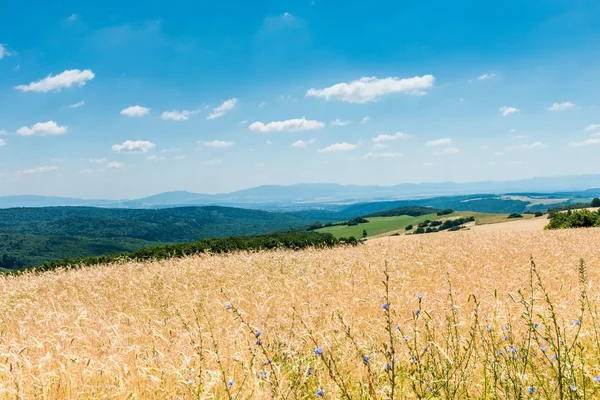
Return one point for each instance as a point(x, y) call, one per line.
point(595, 202)
point(436, 223)
point(539, 214)
point(515, 215)
point(408, 227)
point(419, 231)
point(445, 212)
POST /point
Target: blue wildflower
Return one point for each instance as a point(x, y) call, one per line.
point(597, 379)
point(419, 296)
point(543, 348)
point(512, 349)
point(318, 351)
point(536, 325)
point(258, 333)
point(554, 357)
point(489, 328)
point(228, 307)
point(500, 352)
point(319, 393)
point(257, 342)
point(398, 327)
point(417, 312)
point(531, 390)
point(505, 338)
point(366, 359)
point(310, 371)
point(573, 388)
point(388, 367)
point(577, 322)
point(414, 359)
point(406, 338)
point(230, 383)
point(453, 308)
point(385, 306)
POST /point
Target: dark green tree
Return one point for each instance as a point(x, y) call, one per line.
point(596, 202)
point(364, 235)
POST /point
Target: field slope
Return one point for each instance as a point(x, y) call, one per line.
point(300, 323)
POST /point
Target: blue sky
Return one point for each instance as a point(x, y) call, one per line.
point(119, 100)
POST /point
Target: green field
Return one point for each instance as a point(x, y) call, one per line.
point(378, 225)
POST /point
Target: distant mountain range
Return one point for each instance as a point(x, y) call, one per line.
point(319, 195)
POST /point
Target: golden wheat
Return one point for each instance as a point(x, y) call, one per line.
point(187, 328)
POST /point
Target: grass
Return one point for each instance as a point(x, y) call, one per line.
point(378, 226)
point(455, 316)
point(484, 218)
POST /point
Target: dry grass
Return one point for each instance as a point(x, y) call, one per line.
point(163, 330)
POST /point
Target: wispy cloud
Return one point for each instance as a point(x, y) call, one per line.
point(592, 127)
point(365, 120)
point(534, 145)
point(506, 111)
point(178, 115)
point(371, 88)
point(485, 77)
point(290, 125)
point(223, 108)
point(214, 161)
point(135, 111)
point(447, 150)
point(339, 122)
point(439, 142)
point(97, 160)
point(40, 170)
point(4, 51)
point(63, 80)
point(385, 138)
point(72, 17)
point(217, 144)
point(301, 143)
point(561, 106)
point(77, 105)
point(43, 129)
point(2, 143)
point(380, 155)
point(339, 147)
point(130, 146)
point(589, 142)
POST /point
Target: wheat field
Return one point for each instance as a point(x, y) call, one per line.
point(465, 316)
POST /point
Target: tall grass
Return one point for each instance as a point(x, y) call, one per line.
point(448, 316)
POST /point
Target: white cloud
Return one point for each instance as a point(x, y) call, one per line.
point(301, 143)
point(156, 158)
point(561, 106)
point(130, 146)
point(72, 17)
point(40, 170)
point(261, 105)
point(596, 134)
point(260, 165)
point(381, 155)
point(339, 147)
point(370, 88)
point(115, 165)
point(223, 108)
point(485, 77)
point(339, 122)
point(3, 52)
point(290, 125)
point(97, 160)
point(172, 150)
point(217, 144)
point(180, 157)
point(86, 171)
point(3, 132)
point(379, 146)
point(268, 142)
point(43, 129)
point(365, 120)
point(77, 105)
point(178, 115)
point(288, 15)
point(135, 111)
point(507, 110)
point(447, 150)
point(2, 143)
point(592, 127)
point(384, 138)
point(63, 80)
point(534, 145)
point(499, 153)
point(588, 142)
point(439, 142)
